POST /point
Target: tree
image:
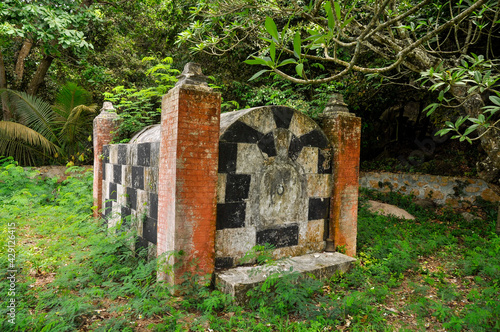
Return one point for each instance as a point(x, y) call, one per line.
point(32, 35)
point(388, 40)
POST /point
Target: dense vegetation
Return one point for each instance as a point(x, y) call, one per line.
point(439, 272)
point(395, 62)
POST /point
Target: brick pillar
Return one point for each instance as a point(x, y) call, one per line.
point(344, 132)
point(187, 183)
point(104, 126)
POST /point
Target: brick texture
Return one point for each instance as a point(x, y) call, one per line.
point(104, 126)
point(344, 131)
point(187, 183)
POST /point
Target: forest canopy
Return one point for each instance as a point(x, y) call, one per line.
point(380, 55)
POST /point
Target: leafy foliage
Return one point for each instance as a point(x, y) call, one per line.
point(49, 133)
point(475, 77)
point(141, 108)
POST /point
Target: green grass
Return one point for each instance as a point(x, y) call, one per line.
point(438, 272)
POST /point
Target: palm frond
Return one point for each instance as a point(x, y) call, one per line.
point(78, 123)
point(22, 143)
point(35, 113)
point(70, 96)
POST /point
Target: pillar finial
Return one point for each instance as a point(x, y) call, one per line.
point(192, 75)
point(107, 106)
point(336, 104)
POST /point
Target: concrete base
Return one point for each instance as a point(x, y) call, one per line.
point(238, 281)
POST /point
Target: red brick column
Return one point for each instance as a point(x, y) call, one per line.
point(104, 126)
point(344, 132)
point(187, 183)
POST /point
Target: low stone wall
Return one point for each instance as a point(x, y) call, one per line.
point(441, 189)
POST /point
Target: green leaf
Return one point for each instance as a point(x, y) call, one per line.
point(256, 61)
point(337, 10)
point(286, 62)
point(346, 22)
point(300, 69)
point(272, 51)
point(431, 108)
point(258, 74)
point(329, 14)
point(443, 132)
point(297, 45)
point(271, 28)
point(460, 121)
point(495, 100)
point(470, 129)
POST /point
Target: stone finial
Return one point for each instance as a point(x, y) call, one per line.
point(192, 75)
point(336, 104)
point(107, 106)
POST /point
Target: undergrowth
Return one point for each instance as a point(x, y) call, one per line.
point(438, 272)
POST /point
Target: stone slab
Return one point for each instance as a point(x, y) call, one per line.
point(238, 281)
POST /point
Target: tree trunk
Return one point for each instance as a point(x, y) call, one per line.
point(39, 76)
point(19, 70)
point(6, 114)
point(489, 168)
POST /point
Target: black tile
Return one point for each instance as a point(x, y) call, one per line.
point(108, 208)
point(117, 174)
point(282, 116)
point(126, 215)
point(122, 154)
point(137, 177)
point(295, 148)
point(105, 154)
point(223, 262)
point(279, 237)
point(104, 171)
point(141, 243)
point(230, 215)
point(227, 157)
point(149, 230)
point(318, 208)
point(240, 132)
point(324, 162)
point(314, 138)
point(237, 187)
point(112, 191)
point(266, 145)
point(153, 205)
point(144, 154)
point(131, 199)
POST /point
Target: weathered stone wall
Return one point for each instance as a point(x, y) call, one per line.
point(130, 193)
point(212, 188)
point(441, 189)
point(274, 183)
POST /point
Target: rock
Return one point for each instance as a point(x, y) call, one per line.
point(469, 216)
point(388, 209)
point(425, 203)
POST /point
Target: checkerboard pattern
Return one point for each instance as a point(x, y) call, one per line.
point(250, 140)
point(130, 196)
